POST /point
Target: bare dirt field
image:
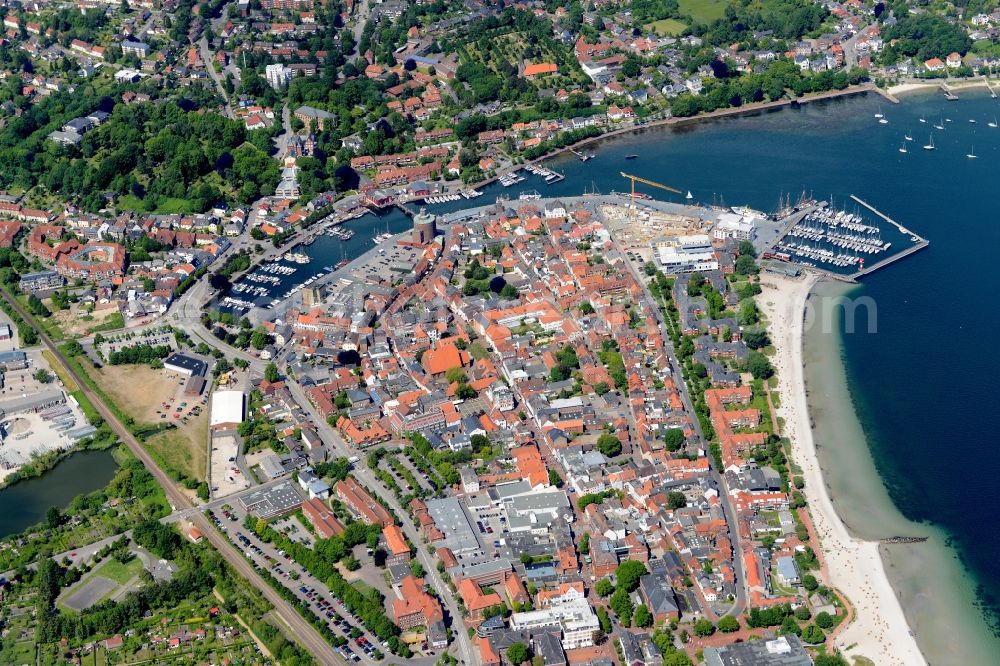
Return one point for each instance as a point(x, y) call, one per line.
point(140, 391)
point(75, 322)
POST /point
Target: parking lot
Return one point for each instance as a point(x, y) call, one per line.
point(362, 645)
point(150, 337)
point(225, 474)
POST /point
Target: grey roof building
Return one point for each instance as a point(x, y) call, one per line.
point(548, 646)
point(782, 651)
point(450, 517)
point(659, 596)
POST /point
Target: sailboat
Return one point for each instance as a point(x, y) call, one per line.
point(972, 120)
point(908, 137)
point(930, 146)
point(992, 124)
point(922, 119)
point(902, 148)
point(879, 114)
point(883, 121)
point(939, 126)
point(972, 155)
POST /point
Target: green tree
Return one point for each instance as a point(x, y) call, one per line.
point(755, 337)
point(704, 627)
point(259, 339)
point(555, 479)
point(745, 265)
point(748, 313)
point(43, 376)
point(758, 365)
point(809, 582)
point(455, 375)
point(824, 620)
point(604, 587)
point(628, 574)
point(609, 445)
point(643, 618)
point(728, 624)
point(53, 517)
point(621, 604)
point(603, 619)
point(517, 653)
point(813, 635)
point(674, 439)
point(676, 500)
point(271, 373)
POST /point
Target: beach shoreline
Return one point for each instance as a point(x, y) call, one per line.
point(879, 629)
point(931, 84)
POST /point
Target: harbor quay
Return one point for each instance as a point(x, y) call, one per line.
point(810, 236)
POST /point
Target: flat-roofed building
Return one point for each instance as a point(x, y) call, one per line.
point(685, 254)
point(278, 500)
point(184, 365)
point(782, 651)
point(227, 410)
point(575, 619)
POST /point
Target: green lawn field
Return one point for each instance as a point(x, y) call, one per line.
point(118, 572)
point(667, 27)
point(703, 11)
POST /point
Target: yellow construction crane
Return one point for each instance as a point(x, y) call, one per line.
point(645, 181)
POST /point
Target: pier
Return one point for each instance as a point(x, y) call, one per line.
point(987, 82)
point(919, 242)
point(948, 94)
point(791, 221)
point(407, 210)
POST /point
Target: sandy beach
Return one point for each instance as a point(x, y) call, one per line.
point(931, 84)
point(879, 630)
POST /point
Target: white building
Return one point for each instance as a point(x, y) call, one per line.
point(501, 396)
point(685, 254)
point(278, 76)
point(576, 619)
point(733, 225)
point(227, 409)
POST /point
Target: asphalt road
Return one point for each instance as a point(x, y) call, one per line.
point(299, 628)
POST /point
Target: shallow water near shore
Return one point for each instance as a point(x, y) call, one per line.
point(933, 586)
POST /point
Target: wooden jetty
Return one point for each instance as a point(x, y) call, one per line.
point(948, 94)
